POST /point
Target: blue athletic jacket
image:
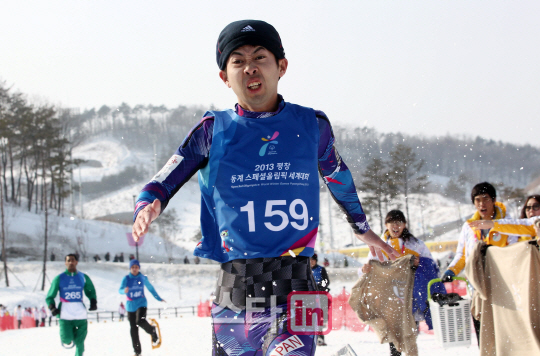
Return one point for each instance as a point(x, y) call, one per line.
point(135, 295)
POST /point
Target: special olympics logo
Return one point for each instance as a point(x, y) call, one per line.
point(269, 140)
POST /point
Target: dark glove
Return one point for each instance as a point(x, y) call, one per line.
point(93, 304)
point(54, 311)
point(483, 249)
point(448, 276)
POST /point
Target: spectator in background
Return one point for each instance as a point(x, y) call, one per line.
point(43, 315)
point(36, 314)
point(525, 226)
point(49, 315)
point(186, 260)
point(18, 313)
point(398, 236)
point(107, 256)
point(97, 258)
point(131, 257)
point(2, 310)
point(122, 311)
point(322, 280)
point(197, 260)
point(53, 257)
point(531, 207)
point(484, 198)
point(121, 257)
point(320, 274)
point(116, 258)
point(326, 263)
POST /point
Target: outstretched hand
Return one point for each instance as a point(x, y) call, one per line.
point(482, 224)
point(145, 218)
point(377, 246)
point(537, 228)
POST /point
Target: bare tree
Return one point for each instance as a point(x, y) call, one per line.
point(4, 255)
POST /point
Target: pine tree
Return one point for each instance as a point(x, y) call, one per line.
point(379, 187)
point(405, 171)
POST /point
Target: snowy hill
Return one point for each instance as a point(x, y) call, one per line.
point(89, 234)
point(426, 211)
point(25, 236)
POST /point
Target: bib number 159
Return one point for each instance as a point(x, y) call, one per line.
point(273, 208)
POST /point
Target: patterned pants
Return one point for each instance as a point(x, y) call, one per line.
point(238, 333)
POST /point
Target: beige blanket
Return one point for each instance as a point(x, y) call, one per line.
point(507, 298)
point(382, 299)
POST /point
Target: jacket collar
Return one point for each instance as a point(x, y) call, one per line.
point(500, 212)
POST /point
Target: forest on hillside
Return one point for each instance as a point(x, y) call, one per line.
point(449, 156)
point(36, 142)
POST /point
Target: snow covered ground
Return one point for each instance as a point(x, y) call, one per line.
point(189, 336)
point(179, 285)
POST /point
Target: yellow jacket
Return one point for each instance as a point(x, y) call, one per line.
point(469, 237)
point(523, 227)
point(412, 246)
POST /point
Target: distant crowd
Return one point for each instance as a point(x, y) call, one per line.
point(40, 315)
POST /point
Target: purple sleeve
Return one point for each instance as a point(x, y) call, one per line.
point(191, 156)
point(338, 178)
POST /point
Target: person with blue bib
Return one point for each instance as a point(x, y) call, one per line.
point(72, 285)
point(259, 167)
point(133, 287)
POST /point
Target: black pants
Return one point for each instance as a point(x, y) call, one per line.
point(477, 324)
point(394, 351)
point(138, 319)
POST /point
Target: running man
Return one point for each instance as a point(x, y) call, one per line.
point(133, 287)
point(73, 316)
point(258, 174)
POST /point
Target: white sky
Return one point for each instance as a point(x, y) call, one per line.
point(431, 67)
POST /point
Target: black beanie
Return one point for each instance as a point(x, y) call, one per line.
point(247, 32)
